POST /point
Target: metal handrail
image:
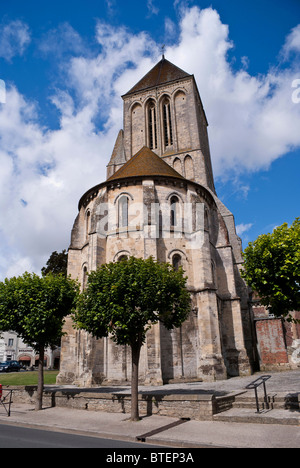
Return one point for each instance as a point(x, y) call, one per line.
point(5, 403)
point(256, 383)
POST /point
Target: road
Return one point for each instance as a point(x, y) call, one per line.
point(21, 437)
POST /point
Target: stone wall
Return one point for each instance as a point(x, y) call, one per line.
point(196, 407)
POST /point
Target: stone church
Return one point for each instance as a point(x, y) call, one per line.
point(159, 200)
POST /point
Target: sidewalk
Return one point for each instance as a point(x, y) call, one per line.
point(190, 434)
point(169, 431)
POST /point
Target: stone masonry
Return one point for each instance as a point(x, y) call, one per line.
point(159, 200)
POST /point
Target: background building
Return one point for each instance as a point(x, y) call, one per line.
point(12, 348)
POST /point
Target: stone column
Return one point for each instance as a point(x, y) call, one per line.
point(236, 355)
point(211, 365)
point(149, 220)
point(153, 365)
point(153, 349)
point(210, 359)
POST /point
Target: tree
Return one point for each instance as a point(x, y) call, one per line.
point(124, 300)
point(35, 307)
point(272, 269)
point(57, 264)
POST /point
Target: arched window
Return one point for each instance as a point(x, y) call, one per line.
point(152, 125)
point(123, 212)
point(87, 223)
point(84, 277)
point(174, 210)
point(177, 165)
point(176, 262)
point(189, 168)
point(206, 219)
point(214, 275)
point(167, 123)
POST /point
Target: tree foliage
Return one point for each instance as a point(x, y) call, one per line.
point(272, 269)
point(34, 307)
point(56, 264)
point(124, 300)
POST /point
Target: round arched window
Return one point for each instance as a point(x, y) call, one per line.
point(174, 210)
point(123, 212)
point(152, 125)
point(176, 262)
point(167, 123)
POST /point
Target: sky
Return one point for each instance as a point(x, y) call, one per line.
point(63, 68)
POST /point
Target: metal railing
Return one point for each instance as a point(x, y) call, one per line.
point(6, 400)
point(255, 384)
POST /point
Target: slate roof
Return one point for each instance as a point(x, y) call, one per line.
point(163, 72)
point(145, 163)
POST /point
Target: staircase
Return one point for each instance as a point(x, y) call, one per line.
point(274, 408)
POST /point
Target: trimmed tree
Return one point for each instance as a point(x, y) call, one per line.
point(124, 300)
point(35, 307)
point(272, 269)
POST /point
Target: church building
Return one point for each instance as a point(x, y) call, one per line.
point(159, 200)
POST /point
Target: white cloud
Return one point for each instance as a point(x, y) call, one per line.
point(111, 5)
point(242, 228)
point(44, 172)
point(14, 38)
point(2, 92)
point(292, 43)
point(63, 39)
point(153, 10)
point(170, 29)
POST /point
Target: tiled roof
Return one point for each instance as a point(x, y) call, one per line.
point(145, 163)
point(118, 154)
point(163, 72)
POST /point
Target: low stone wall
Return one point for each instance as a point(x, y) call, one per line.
point(199, 407)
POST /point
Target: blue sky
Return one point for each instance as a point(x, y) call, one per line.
point(66, 64)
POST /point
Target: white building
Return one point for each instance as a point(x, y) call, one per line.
point(12, 348)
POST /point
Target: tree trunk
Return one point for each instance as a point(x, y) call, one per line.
point(40, 388)
point(135, 350)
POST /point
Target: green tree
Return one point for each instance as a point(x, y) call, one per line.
point(272, 269)
point(34, 307)
point(56, 264)
point(123, 300)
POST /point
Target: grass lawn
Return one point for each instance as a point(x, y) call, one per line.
point(27, 378)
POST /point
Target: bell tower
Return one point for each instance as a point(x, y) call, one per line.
point(164, 112)
point(159, 200)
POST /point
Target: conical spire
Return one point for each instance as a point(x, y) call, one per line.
point(163, 72)
point(145, 163)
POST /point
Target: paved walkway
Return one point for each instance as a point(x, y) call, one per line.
point(288, 382)
point(165, 431)
point(280, 382)
point(186, 435)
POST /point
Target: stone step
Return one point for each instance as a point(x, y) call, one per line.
point(275, 400)
point(243, 415)
point(247, 400)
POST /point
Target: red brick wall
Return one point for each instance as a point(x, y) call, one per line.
point(271, 341)
point(292, 330)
